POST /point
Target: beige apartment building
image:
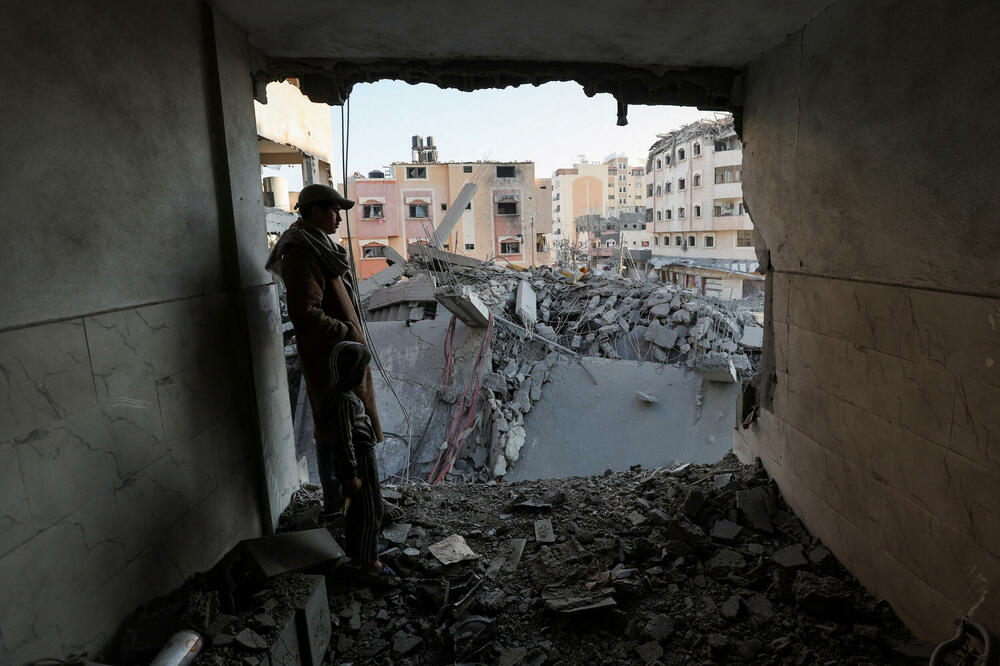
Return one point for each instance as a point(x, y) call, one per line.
point(625, 186)
point(702, 232)
point(543, 221)
point(407, 204)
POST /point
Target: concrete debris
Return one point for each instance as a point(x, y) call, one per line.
point(753, 337)
point(452, 549)
point(646, 398)
point(542, 314)
point(648, 565)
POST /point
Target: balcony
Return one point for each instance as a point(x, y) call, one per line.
point(727, 157)
point(727, 190)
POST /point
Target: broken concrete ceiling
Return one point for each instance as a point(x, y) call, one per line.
point(687, 53)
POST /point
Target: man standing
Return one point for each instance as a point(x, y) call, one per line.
point(320, 291)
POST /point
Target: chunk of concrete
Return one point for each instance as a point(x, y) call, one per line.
point(312, 615)
point(525, 307)
point(753, 337)
point(308, 550)
point(716, 367)
point(464, 303)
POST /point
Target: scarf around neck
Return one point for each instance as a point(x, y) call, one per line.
point(332, 256)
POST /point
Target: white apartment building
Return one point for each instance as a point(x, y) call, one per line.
point(702, 233)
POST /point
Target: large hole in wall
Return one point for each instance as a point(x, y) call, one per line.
point(632, 334)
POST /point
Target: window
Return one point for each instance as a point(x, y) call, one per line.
point(656, 240)
point(691, 242)
point(470, 246)
point(697, 180)
point(670, 213)
point(509, 207)
point(681, 213)
point(510, 247)
point(611, 197)
point(669, 186)
point(668, 160)
point(697, 148)
point(643, 226)
point(659, 164)
point(697, 211)
point(727, 208)
point(444, 206)
point(744, 238)
point(371, 211)
point(680, 154)
point(505, 172)
point(709, 241)
point(659, 191)
point(649, 190)
point(468, 169)
point(468, 206)
point(418, 211)
point(416, 172)
point(681, 183)
point(729, 174)
point(659, 215)
point(374, 251)
point(678, 241)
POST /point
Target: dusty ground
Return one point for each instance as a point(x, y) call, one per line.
point(702, 566)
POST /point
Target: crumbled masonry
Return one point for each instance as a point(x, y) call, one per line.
point(544, 314)
point(701, 564)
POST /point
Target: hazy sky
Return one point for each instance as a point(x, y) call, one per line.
point(551, 125)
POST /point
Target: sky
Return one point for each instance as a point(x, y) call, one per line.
point(551, 125)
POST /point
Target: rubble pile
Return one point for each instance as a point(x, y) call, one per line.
point(693, 565)
point(544, 313)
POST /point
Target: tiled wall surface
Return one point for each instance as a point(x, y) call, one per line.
point(123, 466)
point(885, 438)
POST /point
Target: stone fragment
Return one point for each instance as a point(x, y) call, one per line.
point(251, 640)
point(725, 562)
point(721, 480)
point(404, 643)
point(682, 316)
point(749, 649)
point(753, 337)
point(753, 504)
point(685, 531)
point(452, 549)
point(397, 532)
point(649, 652)
point(662, 310)
point(759, 606)
point(646, 398)
point(823, 595)
point(701, 329)
point(718, 645)
point(514, 442)
point(636, 518)
point(820, 555)
point(725, 530)
point(790, 557)
point(730, 607)
point(544, 532)
point(658, 517)
point(693, 503)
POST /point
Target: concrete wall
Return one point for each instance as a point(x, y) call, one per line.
point(870, 171)
point(143, 373)
point(289, 118)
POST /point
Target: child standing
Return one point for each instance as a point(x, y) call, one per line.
point(350, 454)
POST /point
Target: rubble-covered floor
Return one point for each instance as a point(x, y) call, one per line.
point(701, 565)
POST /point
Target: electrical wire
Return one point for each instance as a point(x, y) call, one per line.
point(345, 138)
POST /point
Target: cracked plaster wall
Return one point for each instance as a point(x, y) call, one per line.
point(134, 318)
point(871, 142)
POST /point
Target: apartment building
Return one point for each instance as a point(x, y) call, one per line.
point(406, 203)
point(580, 190)
point(543, 221)
point(702, 234)
point(625, 186)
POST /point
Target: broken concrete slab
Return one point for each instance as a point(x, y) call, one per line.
point(525, 304)
point(544, 532)
point(309, 550)
point(452, 549)
point(716, 367)
point(569, 426)
point(464, 303)
point(753, 337)
point(313, 619)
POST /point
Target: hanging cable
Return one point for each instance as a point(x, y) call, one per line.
point(345, 138)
